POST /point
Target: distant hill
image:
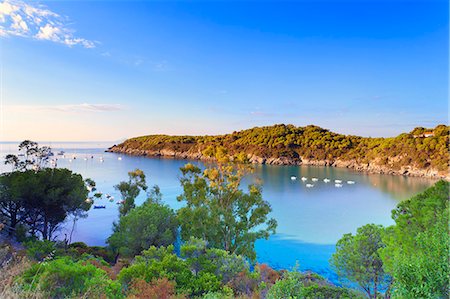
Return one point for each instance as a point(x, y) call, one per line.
point(422, 152)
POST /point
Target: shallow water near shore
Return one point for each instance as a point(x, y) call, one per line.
point(310, 220)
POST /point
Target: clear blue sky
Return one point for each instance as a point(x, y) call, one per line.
point(106, 70)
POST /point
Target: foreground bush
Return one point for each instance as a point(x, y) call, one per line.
point(64, 278)
point(151, 224)
point(156, 289)
point(156, 263)
point(296, 285)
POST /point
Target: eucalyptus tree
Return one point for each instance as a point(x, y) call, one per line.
point(130, 189)
point(218, 210)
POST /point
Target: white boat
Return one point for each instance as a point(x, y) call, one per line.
point(350, 182)
point(338, 185)
point(70, 160)
point(309, 185)
point(304, 179)
point(338, 181)
point(293, 178)
point(314, 179)
point(120, 158)
point(326, 180)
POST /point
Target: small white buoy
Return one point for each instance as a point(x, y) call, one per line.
point(293, 178)
point(338, 185)
point(304, 179)
point(326, 180)
point(338, 181)
point(314, 179)
point(350, 182)
point(70, 160)
point(309, 185)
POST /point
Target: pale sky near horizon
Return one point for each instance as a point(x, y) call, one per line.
point(108, 70)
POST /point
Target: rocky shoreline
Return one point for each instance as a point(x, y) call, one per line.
point(374, 167)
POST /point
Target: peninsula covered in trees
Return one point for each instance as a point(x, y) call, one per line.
point(421, 152)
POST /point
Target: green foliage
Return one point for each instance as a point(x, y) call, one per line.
point(200, 271)
point(130, 190)
point(43, 199)
point(219, 262)
point(418, 245)
point(296, 285)
point(219, 212)
point(157, 263)
point(64, 278)
point(290, 287)
point(329, 292)
point(313, 143)
point(150, 224)
point(40, 250)
point(79, 249)
point(357, 259)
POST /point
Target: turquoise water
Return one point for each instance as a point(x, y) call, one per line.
point(310, 220)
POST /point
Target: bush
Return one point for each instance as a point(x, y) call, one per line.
point(156, 289)
point(329, 292)
point(62, 277)
point(78, 249)
point(290, 287)
point(148, 225)
point(39, 250)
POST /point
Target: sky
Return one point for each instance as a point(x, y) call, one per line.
point(108, 70)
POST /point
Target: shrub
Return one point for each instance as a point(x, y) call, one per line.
point(62, 277)
point(160, 288)
point(39, 250)
point(290, 287)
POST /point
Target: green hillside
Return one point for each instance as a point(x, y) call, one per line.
point(314, 144)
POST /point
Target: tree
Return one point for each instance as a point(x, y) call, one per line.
point(418, 245)
point(12, 202)
point(218, 211)
point(357, 260)
point(42, 199)
point(31, 156)
point(150, 224)
point(130, 190)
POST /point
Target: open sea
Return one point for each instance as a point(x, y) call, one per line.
point(310, 220)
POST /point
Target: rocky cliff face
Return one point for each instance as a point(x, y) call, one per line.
point(372, 167)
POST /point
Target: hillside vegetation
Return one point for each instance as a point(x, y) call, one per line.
point(288, 144)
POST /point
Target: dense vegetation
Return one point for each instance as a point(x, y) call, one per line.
point(216, 259)
point(218, 211)
point(313, 143)
point(407, 260)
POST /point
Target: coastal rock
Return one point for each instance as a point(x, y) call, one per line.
point(374, 166)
